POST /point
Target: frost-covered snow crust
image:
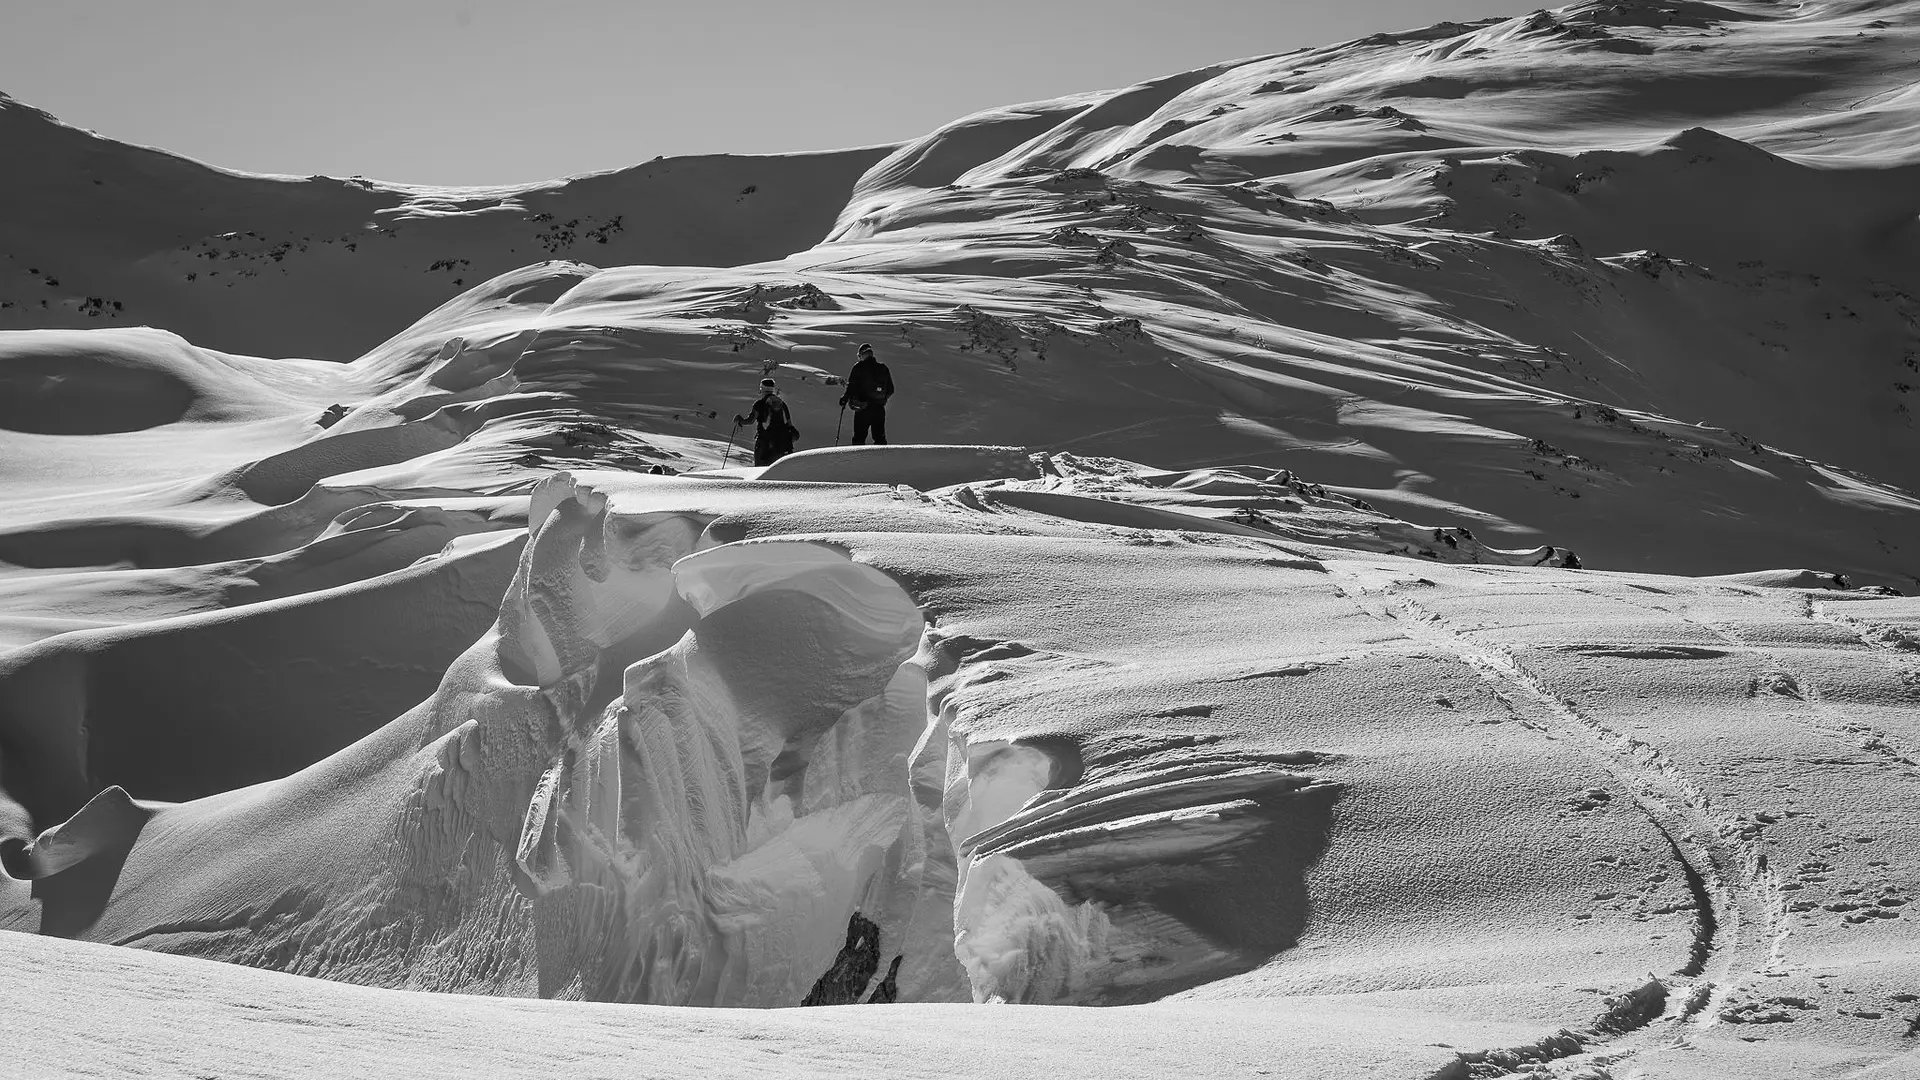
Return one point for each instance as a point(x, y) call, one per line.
point(1410, 529)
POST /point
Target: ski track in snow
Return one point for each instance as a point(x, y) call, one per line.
point(1738, 905)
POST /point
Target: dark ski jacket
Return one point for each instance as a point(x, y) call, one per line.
point(869, 383)
point(773, 430)
point(770, 416)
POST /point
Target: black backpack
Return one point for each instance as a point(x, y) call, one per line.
point(778, 415)
point(869, 385)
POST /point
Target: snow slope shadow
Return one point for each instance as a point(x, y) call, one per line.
point(1156, 883)
point(1121, 878)
point(199, 704)
point(75, 865)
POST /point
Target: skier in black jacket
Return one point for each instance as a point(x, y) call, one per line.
point(869, 386)
point(773, 431)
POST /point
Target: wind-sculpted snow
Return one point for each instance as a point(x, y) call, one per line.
point(721, 725)
point(1402, 539)
point(1117, 889)
point(691, 765)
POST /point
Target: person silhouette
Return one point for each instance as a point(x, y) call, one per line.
point(773, 431)
point(869, 385)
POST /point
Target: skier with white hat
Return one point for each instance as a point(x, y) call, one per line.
point(773, 432)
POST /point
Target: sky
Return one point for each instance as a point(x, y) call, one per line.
point(507, 91)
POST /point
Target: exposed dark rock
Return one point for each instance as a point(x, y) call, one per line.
point(853, 969)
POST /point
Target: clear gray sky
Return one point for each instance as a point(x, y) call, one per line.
point(499, 91)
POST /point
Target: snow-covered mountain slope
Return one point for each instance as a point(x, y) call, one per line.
point(100, 233)
point(1544, 278)
point(1294, 593)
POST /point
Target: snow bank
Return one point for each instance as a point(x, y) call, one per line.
point(244, 1020)
point(1783, 579)
point(71, 382)
point(924, 467)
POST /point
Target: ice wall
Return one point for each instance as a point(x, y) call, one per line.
point(720, 736)
point(715, 768)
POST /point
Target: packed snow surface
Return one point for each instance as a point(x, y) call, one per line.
point(1394, 569)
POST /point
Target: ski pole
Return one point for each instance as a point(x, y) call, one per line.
point(731, 435)
point(842, 420)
